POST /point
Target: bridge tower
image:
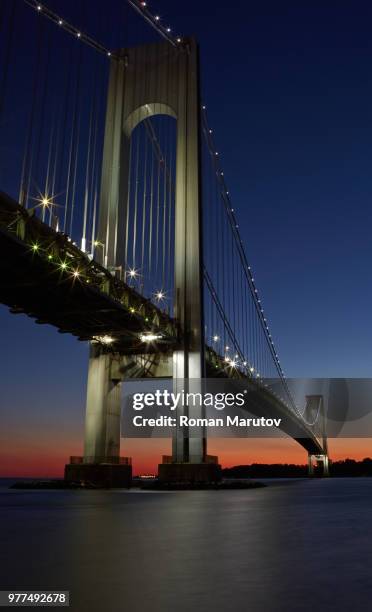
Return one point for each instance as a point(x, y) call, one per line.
point(315, 403)
point(150, 80)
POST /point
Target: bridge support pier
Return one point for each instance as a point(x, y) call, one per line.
point(323, 459)
point(101, 463)
point(310, 465)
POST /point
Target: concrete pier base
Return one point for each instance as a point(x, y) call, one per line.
point(105, 475)
point(192, 473)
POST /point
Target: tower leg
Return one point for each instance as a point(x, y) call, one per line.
point(310, 465)
point(103, 410)
point(189, 463)
point(325, 465)
point(101, 464)
point(189, 460)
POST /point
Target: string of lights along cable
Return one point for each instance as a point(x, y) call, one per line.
point(58, 122)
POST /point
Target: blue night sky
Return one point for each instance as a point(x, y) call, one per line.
point(288, 88)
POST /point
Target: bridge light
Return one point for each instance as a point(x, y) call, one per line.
point(76, 273)
point(169, 30)
point(63, 265)
point(35, 247)
point(157, 18)
point(244, 363)
point(50, 257)
point(150, 337)
point(132, 273)
point(60, 22)
point(251, 369)
point(216, 338)
point(108, 53)
point(227, 348)
point(78, 34)
point(132, 310)
point(143, 3)
point(45, 201)
point(180, 40)
point(159, 295)
point(104, 339)
point(39, 7)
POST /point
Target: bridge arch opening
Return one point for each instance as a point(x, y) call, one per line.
point(150, 136)
point(146, 111)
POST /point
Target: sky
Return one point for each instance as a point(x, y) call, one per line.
point(288, 89)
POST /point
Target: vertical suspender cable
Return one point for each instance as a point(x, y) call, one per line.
point(27, 156)
point(138, 136)
point(127, 217)
point(144, 203)
point(87, 170)
point(151, 208)
point(42, 116)
point(72, 140)
point(76, 156)
point(47, 192)
point(165, 193)
point(170, 215)
point(157, 216)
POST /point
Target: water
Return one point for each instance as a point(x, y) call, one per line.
point(296, 546)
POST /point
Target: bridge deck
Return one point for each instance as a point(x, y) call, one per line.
point(262, 402)
point(45, 276)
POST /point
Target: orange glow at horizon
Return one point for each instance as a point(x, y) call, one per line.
point(46, 459)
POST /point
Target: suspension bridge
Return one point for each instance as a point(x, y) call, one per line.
point(117, 225)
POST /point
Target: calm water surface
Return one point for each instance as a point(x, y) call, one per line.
point(294, 546)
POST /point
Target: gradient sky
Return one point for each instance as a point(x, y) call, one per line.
point(288, 89)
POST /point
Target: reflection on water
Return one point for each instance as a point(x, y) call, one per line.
point(303, 545)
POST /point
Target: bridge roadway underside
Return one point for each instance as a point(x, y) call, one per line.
point(33, 281)
point(261, 401)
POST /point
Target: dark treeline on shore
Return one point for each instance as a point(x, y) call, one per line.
point(347, 467)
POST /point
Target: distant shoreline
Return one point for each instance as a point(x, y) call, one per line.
point(344, 468)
